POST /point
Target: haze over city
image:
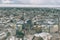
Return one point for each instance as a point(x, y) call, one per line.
point(35, 2)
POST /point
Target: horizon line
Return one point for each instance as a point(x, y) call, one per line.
point(26, 5)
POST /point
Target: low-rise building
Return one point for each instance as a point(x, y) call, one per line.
point(42, 36)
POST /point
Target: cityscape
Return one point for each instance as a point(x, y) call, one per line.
point(29, 23)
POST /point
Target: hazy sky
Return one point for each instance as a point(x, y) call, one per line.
point(40, 2)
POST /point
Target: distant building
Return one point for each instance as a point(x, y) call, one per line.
point(3, 35)
point(19, 28)
point(42, 36)
point(37, 28)
point(19, 25)
point(54, 29)
point(7, 1)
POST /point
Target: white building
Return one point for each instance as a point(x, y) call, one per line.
point(45, 36)
point(2, 35)
point(7, 1)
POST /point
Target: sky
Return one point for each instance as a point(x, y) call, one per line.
point(32, 2)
